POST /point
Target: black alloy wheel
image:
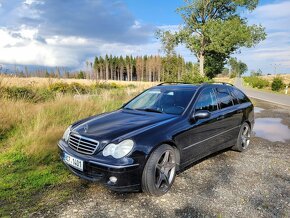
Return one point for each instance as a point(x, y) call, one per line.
point(160, 170)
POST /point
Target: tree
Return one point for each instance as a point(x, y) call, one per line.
point(214, 63)
point(106, 60)
point(242, 68)
point(96, 68)
point(237, 67)
point(214, 26)
point(81, 75)
point(256, 73)
point(140, 68)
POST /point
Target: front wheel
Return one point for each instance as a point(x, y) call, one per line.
point(244, 137)
point(159, 171)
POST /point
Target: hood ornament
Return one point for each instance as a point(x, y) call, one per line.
point(86, 128)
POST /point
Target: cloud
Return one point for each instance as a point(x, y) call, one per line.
point(274, 10)
point(275, 49)
point(65, 33)
point(107, 20)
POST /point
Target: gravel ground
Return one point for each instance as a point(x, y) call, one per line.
point(255, 183)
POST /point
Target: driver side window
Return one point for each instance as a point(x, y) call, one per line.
point(206, 101)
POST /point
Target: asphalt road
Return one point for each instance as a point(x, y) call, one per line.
point(254, 183)
point(266, 96)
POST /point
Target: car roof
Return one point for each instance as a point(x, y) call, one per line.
point(189, 86)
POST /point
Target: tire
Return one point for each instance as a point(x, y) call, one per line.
point(244, 137)
point(160, 171)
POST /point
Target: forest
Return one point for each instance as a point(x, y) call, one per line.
point(140, 68)
point(127, 68)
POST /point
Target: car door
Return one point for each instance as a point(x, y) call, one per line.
point(230, 117)
point(198, 139)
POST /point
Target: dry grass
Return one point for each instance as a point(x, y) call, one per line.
point(225, 79)
point(29, 164)
point(286, 78)
point(42, 82)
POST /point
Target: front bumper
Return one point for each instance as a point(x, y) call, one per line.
point(128, 175)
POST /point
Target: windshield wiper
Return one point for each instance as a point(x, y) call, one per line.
point(150, 110)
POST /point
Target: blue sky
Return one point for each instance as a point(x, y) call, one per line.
point(67, 33)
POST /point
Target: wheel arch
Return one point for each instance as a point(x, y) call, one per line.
point(170, 143)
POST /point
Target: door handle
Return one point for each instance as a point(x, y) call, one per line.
point(240, 111)
point(221, 117)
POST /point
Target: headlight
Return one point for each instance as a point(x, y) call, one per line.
point(120, 150)
point(66, 134)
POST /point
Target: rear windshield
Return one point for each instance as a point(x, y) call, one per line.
point(162, 101)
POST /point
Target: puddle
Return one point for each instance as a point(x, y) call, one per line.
point(271, 129)
point(258, 109)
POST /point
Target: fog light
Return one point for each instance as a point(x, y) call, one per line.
point(113, 179)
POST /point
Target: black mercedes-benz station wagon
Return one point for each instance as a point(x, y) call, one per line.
point(142, 145)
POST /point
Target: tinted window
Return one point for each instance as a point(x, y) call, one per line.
point(241, 96)
point(234, 97)
point(206, 101)
point(224, 97)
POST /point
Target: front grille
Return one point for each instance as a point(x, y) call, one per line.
point(82, 144)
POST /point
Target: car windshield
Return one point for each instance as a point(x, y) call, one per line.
point(162, 101)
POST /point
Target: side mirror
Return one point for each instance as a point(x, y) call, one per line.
point(202, 114)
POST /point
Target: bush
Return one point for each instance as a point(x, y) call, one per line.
point(33, 94)
point(105, 85)
point(17, 92)
point(132, 86)
point(44, 94)
point(278, 84)
point(60, 87)
point(73, 88)
point(79, 88)
point(194, 78)
point(256, 82)
point(26, 93)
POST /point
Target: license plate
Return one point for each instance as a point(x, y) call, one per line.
point(74, 162)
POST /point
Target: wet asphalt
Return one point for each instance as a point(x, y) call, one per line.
point(254, 183)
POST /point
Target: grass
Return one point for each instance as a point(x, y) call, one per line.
point(269, 79)
point(44, 82)
point(32, 176)
point(225, 79)
point(286, 78)
point(34, 114)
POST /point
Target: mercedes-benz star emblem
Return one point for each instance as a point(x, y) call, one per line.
point(86, 128)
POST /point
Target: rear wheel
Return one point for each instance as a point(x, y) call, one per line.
point(244, 137)
point(160, 170)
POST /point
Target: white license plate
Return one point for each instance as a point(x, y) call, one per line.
point(74, 162)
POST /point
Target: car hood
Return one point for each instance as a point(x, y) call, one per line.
point(120, 124)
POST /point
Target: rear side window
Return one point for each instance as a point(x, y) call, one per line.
point(235, 99)
point(206, 101)
point(241, 96)
point(224, 97)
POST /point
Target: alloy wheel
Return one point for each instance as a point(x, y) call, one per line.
point(165, 171)
point(245, 137)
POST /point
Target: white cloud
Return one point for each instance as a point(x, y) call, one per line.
point(275, 17)
point(274, 11)
point(38, 32)
point(65, 44)
point(23, 47)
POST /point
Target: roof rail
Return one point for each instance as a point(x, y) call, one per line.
point(164, 83)
point(204, 83)
point(223, 83)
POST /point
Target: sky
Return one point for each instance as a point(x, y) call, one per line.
point(67, 33)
